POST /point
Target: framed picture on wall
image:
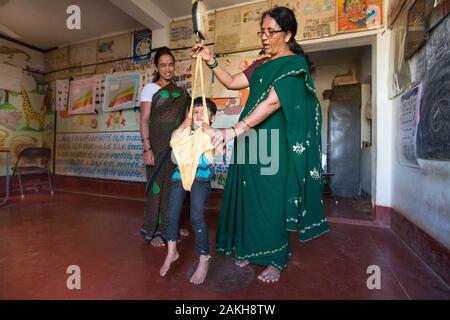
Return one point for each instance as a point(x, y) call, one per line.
point(121, 91)
point(359, 15)
point(82, 96)
point(415, 33)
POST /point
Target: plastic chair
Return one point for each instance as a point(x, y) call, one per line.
point(33, 161)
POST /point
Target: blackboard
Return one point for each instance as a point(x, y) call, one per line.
point(433, 136)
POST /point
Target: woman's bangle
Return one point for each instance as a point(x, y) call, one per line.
point(213, 65)
point(235, 133)
point(145, 150)
point(142, 140)
point(243, 120)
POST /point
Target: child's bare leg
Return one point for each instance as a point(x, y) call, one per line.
point(200, 273)
point(172, 255)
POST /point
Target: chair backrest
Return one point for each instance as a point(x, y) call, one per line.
point(35, 154)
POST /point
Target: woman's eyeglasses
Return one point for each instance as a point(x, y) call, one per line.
point(268, 33)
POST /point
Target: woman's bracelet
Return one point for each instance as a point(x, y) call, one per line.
point(235, 133)
point(213, 65)
point(243, 120)
point(142, 140)
point(145, 150)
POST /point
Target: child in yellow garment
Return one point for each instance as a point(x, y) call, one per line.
point(199, 194)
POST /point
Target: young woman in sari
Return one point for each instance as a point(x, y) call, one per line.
point(163, 107)
point(259, 210)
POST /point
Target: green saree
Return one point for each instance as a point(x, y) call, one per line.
point(168, 111)
point(258, 210)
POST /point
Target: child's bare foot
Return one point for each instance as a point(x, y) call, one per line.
point(242, 263)
point(172, 255)
point(184, 232)
point(270, 274)
point(200, 273)
point(157, 242)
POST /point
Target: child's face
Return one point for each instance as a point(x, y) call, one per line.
point(198, 115)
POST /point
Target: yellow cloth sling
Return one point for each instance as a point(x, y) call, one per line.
point(187, 146)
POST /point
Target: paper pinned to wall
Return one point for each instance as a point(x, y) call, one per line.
point(113, 48)
point(251, 18)
point(407, 129)
point(228, 30)
point(62, 93)
point(236, 28)
point(80, 55)
point(82, 95)
point(57, 59)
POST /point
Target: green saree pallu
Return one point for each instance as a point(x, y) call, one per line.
point(168, 111)
point(274, 183)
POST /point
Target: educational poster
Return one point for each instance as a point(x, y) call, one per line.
point(228, 30)
point(181, 34)
point(295, 6)
point(356, 15)
point(250, 25)
point(82, 96)
point(315, 18)
point(318, 19)
point(62, 93)
point(183, 75)
point(82, 54)
point(100, 93)
point(121, 91)
point(142, 45)
point(121, 120)
point(113, 48)
point(113, 155)
point(57, 59)
point(407, 129)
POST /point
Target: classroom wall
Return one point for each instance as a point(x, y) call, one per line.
point(15, 133)
point(421, 194)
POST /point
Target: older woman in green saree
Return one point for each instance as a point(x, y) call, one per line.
point(259, 210)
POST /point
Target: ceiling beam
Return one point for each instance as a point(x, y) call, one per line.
point(145, 12)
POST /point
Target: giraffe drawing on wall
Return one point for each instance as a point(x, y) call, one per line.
point(29, 114)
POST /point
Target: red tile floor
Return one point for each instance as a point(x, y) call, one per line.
point(43, 235)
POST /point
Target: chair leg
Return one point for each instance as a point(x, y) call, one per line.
point(20, 184)
point(50, 182)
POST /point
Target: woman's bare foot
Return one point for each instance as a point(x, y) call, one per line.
point(172, 255)
point(157, 242)
point(184, 232)
point(270, 274)
point(200, 273)
point(242, 263)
